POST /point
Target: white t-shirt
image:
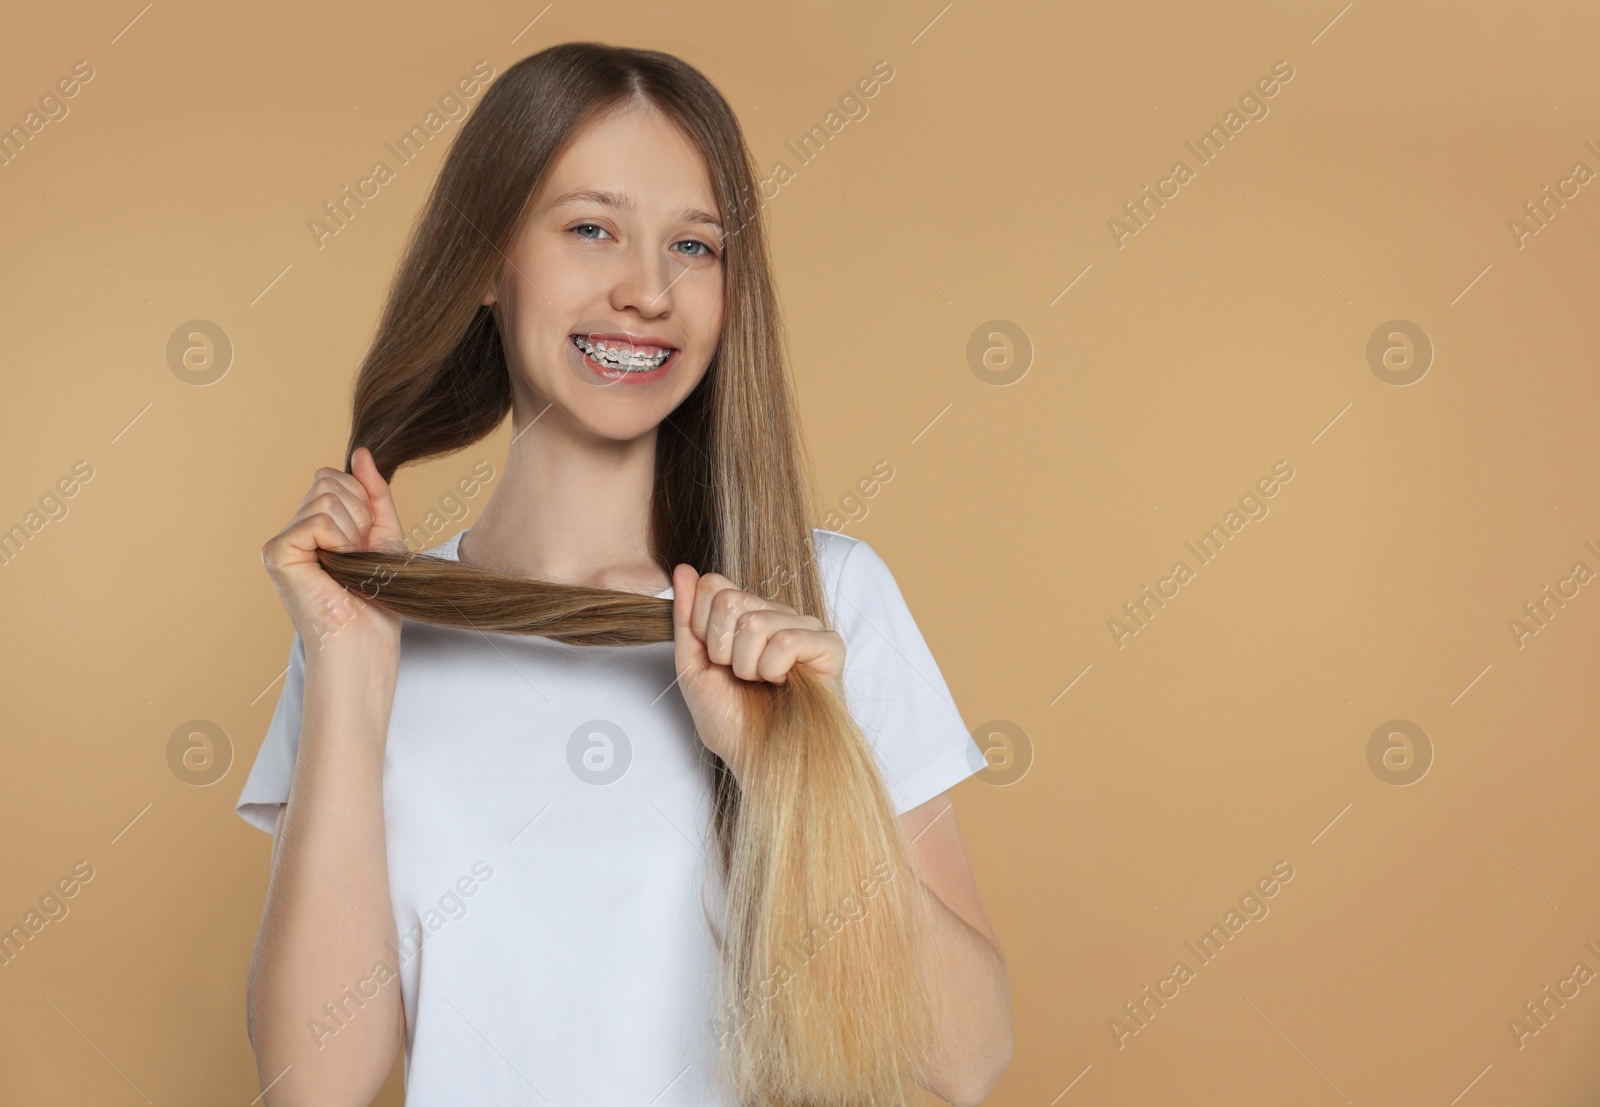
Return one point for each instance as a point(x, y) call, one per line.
point(550, 848)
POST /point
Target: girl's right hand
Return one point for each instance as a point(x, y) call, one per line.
point(342, 511)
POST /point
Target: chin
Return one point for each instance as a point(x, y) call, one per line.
point(623, 426)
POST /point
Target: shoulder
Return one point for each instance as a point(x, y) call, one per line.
point(860, 588)
point(848, 568)
point(833, 550)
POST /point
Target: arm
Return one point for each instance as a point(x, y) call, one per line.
point(327, 921)
point(975, 1040)
point(322, 1005)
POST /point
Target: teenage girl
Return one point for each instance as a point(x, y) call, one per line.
point(495, 849)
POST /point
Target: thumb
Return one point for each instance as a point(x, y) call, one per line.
point(386, 532)
point(689, 649)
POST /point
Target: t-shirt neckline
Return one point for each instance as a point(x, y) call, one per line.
point(449, 548)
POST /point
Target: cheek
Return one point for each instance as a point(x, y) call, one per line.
point(702, 305)
point(545, 285)
point(546, 297)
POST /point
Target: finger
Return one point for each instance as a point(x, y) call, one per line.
point(688, 652)
point(707, 585)
point(724, 607)
point(798, 646)
point(731, 613)
point(386, 529)
point(684, 592)
point(299, 542)
point(330, 504)
point(752, 632)
point(328, 477)
point(347, 489)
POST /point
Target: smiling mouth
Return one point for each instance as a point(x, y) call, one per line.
point(624, 358)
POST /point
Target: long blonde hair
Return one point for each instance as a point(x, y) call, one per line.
point(809, 841)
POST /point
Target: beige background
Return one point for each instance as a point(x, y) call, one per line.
point(1230, 333)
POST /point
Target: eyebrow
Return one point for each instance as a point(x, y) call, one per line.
point(622, 202)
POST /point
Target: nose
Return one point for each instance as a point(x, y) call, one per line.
point(644, 282)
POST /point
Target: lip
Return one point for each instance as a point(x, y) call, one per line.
point(624, 338)
point(593, 370)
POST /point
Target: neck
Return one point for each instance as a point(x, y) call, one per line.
point(571, 507)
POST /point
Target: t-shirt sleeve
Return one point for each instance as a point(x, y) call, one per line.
point(893, 687)
point(266, 789)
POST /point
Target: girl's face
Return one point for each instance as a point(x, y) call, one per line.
point(610, 301)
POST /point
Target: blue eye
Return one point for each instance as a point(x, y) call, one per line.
point(705, 249)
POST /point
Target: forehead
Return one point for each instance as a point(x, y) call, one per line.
point(637, 160)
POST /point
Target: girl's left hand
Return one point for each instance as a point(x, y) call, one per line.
point(723, 635)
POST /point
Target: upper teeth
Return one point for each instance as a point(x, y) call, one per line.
point(622, 357)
